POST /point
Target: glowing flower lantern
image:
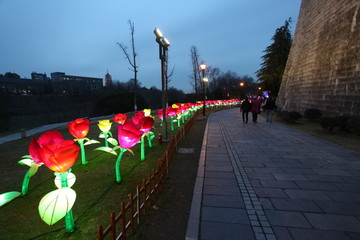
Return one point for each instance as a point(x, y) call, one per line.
point(138, 116)
point(120, 118)
point(58, 155)
point(146, 124)
point(178, 116)
point(160, 114)
point(33, 160)
point(105, 127)
point(190, 109)
point(79, 128)
point(129, 134)
point(147, 112)
point(171, 112)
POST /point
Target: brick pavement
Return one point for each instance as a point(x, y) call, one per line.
point(267, 181)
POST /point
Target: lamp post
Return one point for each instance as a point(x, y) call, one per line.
point(242, 90)
point(205, 80)
point(163, 47)
point(203, 67)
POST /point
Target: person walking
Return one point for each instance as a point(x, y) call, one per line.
point(255, 108)
point(269, 108)
point(245, 108)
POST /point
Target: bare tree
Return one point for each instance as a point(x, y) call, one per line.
point(196, 71)
point(131, 59)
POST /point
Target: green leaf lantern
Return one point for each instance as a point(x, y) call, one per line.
point(56, 204)
point(7, 197)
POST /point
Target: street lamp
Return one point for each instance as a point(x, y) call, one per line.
point(203, 67)
point(163, 47)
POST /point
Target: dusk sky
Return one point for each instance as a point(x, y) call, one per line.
point(79, 37)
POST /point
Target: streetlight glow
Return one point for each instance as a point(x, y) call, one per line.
point(203, 66)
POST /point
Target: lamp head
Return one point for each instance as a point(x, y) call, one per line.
point(158, 33)
point(203, 66)
point(166, 42)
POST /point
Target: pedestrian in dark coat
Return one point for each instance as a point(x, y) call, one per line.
point(269, 107)
point(255, 109)
point(245, 108)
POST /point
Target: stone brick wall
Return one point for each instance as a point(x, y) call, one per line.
point(323, 68)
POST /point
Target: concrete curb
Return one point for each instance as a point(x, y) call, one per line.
point(31, 132)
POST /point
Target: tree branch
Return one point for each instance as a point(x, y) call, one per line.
point(124, 49)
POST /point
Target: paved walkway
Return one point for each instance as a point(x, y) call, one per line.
point(267, 181)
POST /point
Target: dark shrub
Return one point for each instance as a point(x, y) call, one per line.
point(343, 121)
point(312, 113)
point(354, 124)
point(291, 117)
point(329, 123)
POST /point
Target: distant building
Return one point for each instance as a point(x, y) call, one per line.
point(108, 79)
point(59, 84)
point(57, 76)
point(39, 76)
point(21, 86)
point(93, 83)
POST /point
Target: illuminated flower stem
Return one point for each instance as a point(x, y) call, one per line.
point(106, 137)
point(117, 165)
point(172, 124)
point(69, 218)
point(149, 141)
point(25, 184)
point(178, 122)
point(142, 148)
point(82, 150)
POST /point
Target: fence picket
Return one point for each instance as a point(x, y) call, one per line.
point(131, 213)
point(138, 204)
point(123, 220)
point(113, 226)
point(100, 233)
